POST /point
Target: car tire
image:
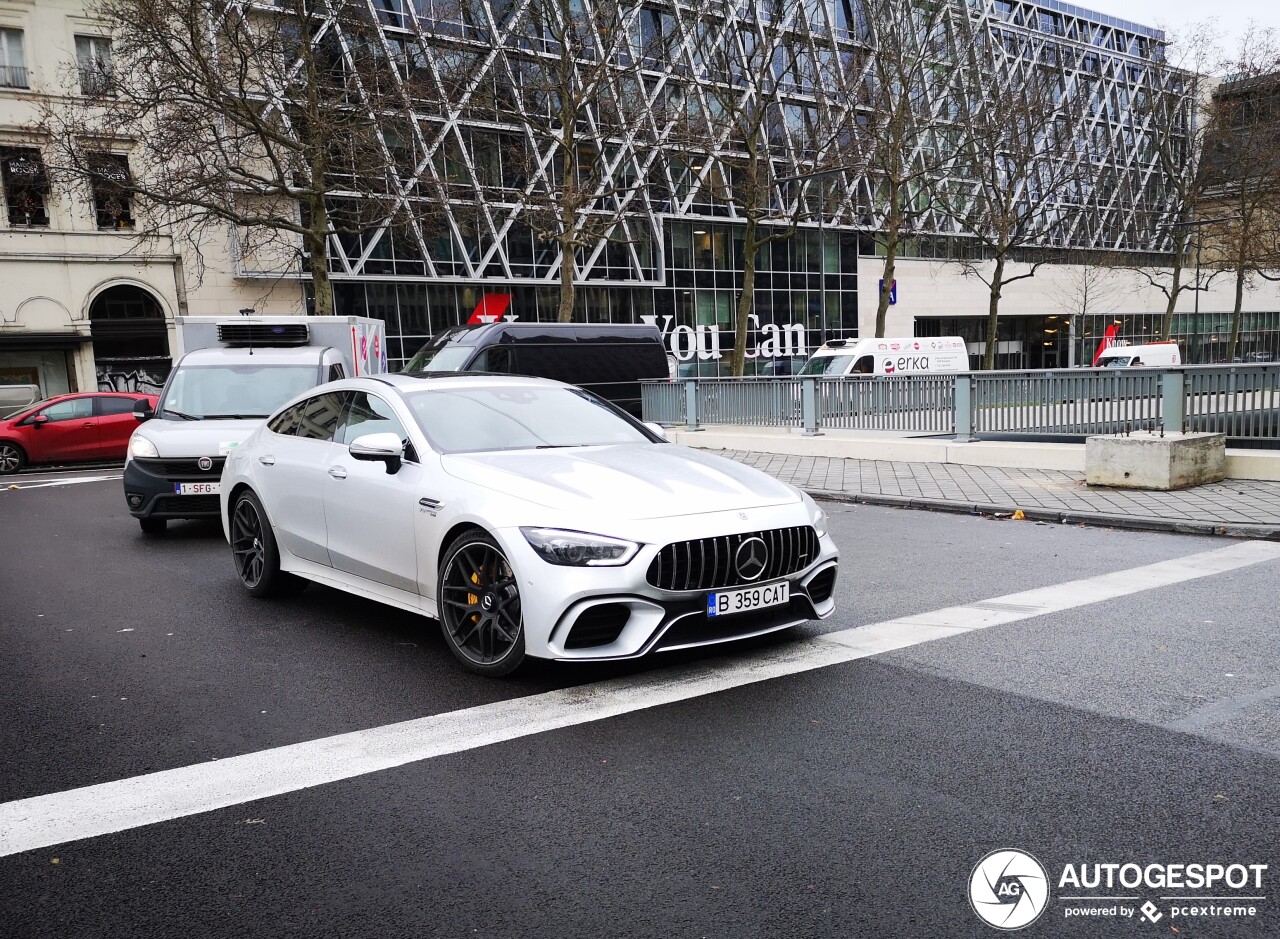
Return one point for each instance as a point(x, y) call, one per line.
point(255, 552)
point(153, 526)
point(478, 596)
point(12, 457)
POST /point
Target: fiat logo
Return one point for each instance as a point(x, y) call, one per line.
point(751, 558)
point(205, 463)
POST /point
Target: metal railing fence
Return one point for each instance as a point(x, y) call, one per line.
point(1242, 401)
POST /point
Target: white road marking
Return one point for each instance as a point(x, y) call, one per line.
point(102, 809)
point(16, 485)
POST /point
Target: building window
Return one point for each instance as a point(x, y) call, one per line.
point(111, 184)
point(26, 186)
point(93, 59)
point(13, 63)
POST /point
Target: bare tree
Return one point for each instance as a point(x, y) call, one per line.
point(217, 115)
point(906, 127)
point(562, 88)
point(1242, 170)
point(1020, 169)
point(1169, 107)
point(1083, 289)
point(749, 125)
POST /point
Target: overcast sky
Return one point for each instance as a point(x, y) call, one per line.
point(1230, 16)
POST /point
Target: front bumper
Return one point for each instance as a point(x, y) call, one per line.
point(610, 613)
point(149, 488)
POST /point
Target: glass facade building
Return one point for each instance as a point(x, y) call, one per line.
point(679, 257)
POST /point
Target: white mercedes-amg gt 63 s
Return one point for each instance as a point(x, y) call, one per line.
point(528, 516)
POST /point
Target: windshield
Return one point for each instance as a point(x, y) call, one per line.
point(210, 392)
point(1115, 361)
point(518, 418)
point(444, 358)
point(826, 365)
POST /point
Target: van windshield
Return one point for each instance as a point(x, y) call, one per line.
point(1117, 361)
point(442, 358)
point(827, 365)
point(225, 392)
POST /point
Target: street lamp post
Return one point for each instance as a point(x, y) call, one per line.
point(822, 236)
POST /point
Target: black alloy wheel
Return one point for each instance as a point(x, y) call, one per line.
point(479, 602)
point(253, 548)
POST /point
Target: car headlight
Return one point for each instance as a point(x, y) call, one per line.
point(140, 446)
point(817, 515)
point(579, 549)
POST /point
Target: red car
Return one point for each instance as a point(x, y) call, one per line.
point(70, 428)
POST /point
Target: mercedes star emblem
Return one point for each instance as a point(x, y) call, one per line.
point(751, 558)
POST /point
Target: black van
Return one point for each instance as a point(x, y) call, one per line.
point(607, 359)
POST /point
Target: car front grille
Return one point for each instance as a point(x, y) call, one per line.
point(188, 467)
point(184, 506)
point(709, 563)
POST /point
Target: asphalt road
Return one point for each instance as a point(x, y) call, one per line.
point(846, 800)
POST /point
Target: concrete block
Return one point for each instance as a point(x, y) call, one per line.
point(1146, 460)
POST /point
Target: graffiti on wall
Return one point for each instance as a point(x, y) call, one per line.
point(146, 377)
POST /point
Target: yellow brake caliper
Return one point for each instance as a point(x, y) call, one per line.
point(473, 599)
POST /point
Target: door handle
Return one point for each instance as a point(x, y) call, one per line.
point(87, 424)
point(337, 472)
point(267, 460)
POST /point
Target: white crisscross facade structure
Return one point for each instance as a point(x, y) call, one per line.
point(462, 62)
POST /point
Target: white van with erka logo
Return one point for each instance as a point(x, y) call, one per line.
point(888, 357)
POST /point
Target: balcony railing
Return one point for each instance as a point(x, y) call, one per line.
point(96, 83)
point(13, 76)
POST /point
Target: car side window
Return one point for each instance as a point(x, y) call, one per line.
point(109, 406)
point(318, 416)
point(336, 371)
point(73, 410)
point(369, 414)
point(496, 359)
point(286, 422)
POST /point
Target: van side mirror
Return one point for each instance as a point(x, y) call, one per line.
point(386, 448)
point(142, 410)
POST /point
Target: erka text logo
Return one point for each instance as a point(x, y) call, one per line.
point(1009, 889)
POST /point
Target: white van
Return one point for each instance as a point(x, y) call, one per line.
point(232, 374)
point(1146, 355)
point(888, 357)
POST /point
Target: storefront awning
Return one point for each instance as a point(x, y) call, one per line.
point(48, 340)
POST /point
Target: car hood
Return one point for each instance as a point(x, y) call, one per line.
point(197, 438)
point(637, 481)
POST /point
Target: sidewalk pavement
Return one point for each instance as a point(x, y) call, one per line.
point(1241, 508)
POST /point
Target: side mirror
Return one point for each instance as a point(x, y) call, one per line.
point(657, 429)
point(142, 411)
point(386, 448)
point(39, 420)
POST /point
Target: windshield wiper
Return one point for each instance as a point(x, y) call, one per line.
point(181, 414)
point(231, 417)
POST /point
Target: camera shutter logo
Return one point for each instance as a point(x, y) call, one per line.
point(1009, 889)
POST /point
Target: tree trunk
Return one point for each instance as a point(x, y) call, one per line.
point(1166, 323)
point(567, 285)
point(746, 299)
point(993, 315)
point(892, 242)
point(568, 203)
point(886, 286)
point(317, 245)
point(1237, 316)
